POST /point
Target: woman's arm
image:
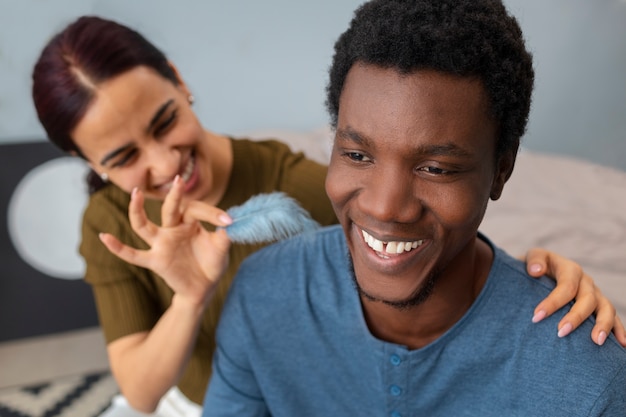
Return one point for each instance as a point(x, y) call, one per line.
point(147, 364)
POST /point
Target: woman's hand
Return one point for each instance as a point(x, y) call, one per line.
point(573, 284)
point(188, 257)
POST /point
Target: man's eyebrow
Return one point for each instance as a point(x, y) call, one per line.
point(352, 135)
point(439, 149)
point(159, 113)
point(114, 153)
point(444, 149)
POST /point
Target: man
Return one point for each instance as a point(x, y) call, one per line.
point(406, 310)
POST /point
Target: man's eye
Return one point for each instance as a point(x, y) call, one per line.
point(435, 170)
point(356, 156)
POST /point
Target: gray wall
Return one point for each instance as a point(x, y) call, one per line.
point(579, 103)
point(262, 64)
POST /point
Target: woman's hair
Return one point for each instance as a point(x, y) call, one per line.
point(469, 38)
point(87, 52)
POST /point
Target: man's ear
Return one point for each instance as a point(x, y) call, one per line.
point(504, 169)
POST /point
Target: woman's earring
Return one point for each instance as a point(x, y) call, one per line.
point(191, 99)
point(104, 177)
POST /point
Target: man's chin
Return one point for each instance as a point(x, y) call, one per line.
point(419, 296)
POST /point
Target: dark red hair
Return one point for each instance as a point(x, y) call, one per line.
point(87, 52)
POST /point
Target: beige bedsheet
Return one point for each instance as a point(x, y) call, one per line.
point(570, 206)
point(573, 207)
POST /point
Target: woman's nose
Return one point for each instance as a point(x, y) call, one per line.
point(164, 162)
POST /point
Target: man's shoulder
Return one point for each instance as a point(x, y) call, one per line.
point(280, 285)
point(513, 299)
point(510, 350)
point(509, 274)
point(291, 252)
point(289, 264)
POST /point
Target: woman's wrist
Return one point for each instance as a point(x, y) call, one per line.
point(194, 304)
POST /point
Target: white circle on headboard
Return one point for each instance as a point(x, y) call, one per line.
point(44, 217)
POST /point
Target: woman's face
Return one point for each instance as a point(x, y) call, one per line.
point(140, 130)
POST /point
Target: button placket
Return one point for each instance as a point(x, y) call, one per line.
point(396, 377)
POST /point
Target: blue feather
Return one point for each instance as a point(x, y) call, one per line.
point(268, 217)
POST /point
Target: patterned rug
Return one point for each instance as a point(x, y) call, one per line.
point(72, 396)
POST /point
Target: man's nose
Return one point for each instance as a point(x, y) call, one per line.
point(390, 196)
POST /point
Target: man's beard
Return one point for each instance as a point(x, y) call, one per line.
point(422, 294)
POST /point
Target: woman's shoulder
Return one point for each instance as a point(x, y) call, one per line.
point(107, 198)
point(271, 148)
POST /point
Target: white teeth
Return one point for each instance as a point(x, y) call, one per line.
point(393, 247)
point(185, 175)
point(188, 170)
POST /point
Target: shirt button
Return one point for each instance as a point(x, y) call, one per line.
point(395, 414)
point(395, 390)
point(395, 360)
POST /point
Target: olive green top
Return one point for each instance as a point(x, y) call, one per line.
point(130, 299)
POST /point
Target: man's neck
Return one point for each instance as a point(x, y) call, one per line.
point(454, 293)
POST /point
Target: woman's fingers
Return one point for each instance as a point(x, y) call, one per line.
point(171, 209)
point(124, 252)
point(536, 260)
point(586, 303)
point(574, 283)
point(619, 331)
point(138, 219)
point(606, 319)
point(199, 211)
point(570, 279)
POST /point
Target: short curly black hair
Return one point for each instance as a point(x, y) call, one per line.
point(474, 38)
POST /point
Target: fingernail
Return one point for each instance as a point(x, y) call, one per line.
point(225, 218)
point(133, 193)
point(177, 179)
point(565, 330)
point(601, 338)
point(540, 315)
point(535, 268)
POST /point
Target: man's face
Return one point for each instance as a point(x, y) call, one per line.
point(411, 172)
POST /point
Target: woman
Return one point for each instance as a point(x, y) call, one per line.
point(104, 93)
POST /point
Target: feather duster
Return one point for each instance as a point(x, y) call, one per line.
point(268, 217)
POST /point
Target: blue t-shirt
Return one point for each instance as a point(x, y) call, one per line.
point(293, 342)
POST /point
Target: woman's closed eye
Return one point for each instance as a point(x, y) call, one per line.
point(166, 123)
point(125, 158)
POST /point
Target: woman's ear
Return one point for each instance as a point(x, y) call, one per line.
point(504, 169)
point(181, 83)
